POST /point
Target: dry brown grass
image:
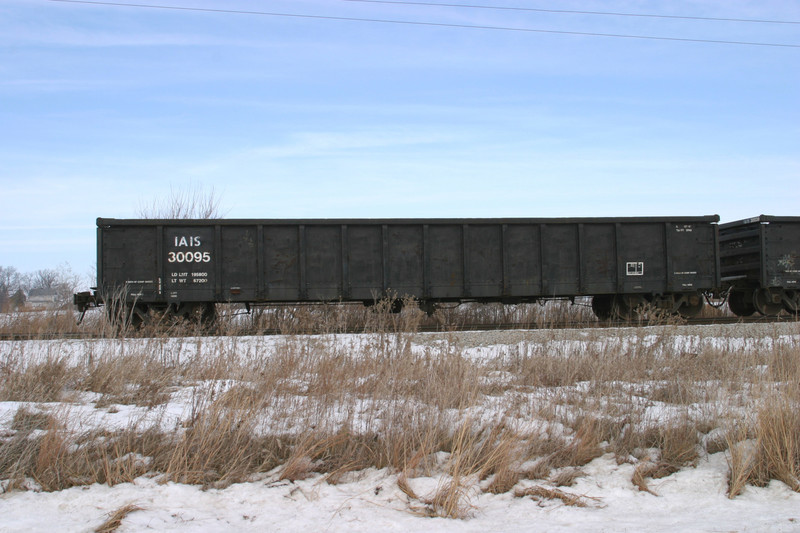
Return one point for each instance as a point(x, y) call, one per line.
point(767, 446)
point(115, 519)
point(113, 319)
point(45, 381)
point(302, 406)
point(567, 477)
point(778, 438)
point(39, 323)
point(544, 493)
point(741, 461)
point(774, 449)
point(584, 447)
point(26, 420)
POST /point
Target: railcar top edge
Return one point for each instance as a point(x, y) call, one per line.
point(107, 222)
point(764, 219)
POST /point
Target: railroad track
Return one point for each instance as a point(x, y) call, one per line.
point(11, 336)
point(48, 336)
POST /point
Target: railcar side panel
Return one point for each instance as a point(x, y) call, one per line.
point(522, 257)
point(282, 263)
point(692, 259)
point(364, 262)
point(598, 259)
point(404, 259)
point(239, 260)
point(642, 258)
point(322, 247)
point(484, 260)
point(444, 258)
point(782, 254)
point(130, 259)
point(560, 260)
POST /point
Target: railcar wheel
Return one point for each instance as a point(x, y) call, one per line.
point(602, 306)
point(741, 303)
point(791, 302)
point(397, 306)
point(619, 309)
point(692, 306)
point(768, 301)
point(427, 307)
point(208, 316)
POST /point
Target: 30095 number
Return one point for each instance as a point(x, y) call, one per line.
point(189, 257)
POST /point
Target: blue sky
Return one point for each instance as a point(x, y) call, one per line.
point(105, 109)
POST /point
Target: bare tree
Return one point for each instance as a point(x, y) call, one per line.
point(10, 282)
point(192, 202)
point(9, 277)
point(46, 278)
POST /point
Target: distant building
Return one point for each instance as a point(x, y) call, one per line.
point(43, 298)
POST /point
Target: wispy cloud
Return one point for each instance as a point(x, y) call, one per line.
point(312, 144)
point(88, 38)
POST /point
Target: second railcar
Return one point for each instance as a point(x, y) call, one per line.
point(186, 266)
point(760, 265)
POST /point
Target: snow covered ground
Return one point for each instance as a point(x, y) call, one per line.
point(692, 499)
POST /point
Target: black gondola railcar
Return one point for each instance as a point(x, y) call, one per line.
point(187, 266)
point(760, 264)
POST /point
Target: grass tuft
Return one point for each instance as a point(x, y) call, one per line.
point(115, 519)
point(540, 493)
